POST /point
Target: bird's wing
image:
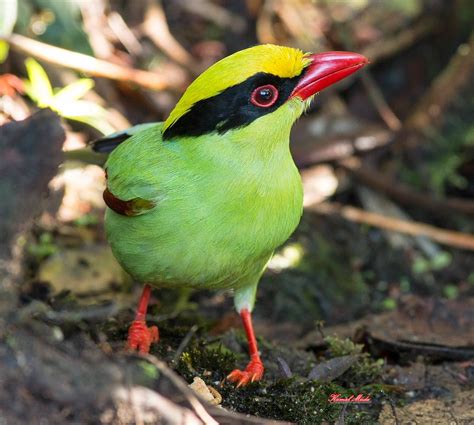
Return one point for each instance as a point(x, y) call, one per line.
point(131, 207)
point(132, 182)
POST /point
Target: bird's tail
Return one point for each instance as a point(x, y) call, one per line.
point(98, 150)
point(108, 143)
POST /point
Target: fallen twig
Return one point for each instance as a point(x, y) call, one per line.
point(94, 19)
point(184, 343)
point(304, 23)
point(214, 13)
point(414, 228)
point(193, 401)
point(374, 92)
point(377, 98)
point(445, 87)
point(265, 32)
point(92, 313)
point(394, 411)
point(306, 152)
point(124, 34)
point(93, 66)
point(156, 28)
point(207, 413)
point(403, 193)
point(389, 46)
point(378, 203)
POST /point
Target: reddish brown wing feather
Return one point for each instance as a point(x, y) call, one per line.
point(130, 208)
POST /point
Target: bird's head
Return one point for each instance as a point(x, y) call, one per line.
point(265, 87)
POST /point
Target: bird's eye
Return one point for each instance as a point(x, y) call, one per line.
point(264, 96)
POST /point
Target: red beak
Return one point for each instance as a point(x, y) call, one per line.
point(326, 69)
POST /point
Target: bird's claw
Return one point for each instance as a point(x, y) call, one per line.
point(252, 373)
point(140, 336)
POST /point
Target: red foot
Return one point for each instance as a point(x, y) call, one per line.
point(252, 373)
point(140, 337)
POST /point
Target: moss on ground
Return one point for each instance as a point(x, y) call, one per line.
point(364, 371)
point(299, 401)
point(295, 399)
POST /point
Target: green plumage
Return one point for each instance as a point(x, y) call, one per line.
point(223, 204)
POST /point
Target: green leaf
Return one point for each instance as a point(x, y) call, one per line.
point(86, 112)
point(8, 15)
point(420, 265)
point(38, 87)
point(469, 138)
point(441, 260)
point(149, 370)
point(79, 108)
point(451, 292)
point(405, 284)
point(389, 304)
point(88, 219)
point(99, 123)
point(4, 47)
point(410, 8)
point(73, 91)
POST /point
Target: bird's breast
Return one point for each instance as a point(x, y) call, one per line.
point(212, 227)
point(258, 212)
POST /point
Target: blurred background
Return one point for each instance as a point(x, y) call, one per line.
point(384, 252)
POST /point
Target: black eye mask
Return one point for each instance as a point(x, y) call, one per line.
point(231, 108)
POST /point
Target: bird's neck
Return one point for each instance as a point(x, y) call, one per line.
point(238, 155)
point(262, 143)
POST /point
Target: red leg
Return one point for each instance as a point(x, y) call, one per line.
point(140, 336)
point(254, 370)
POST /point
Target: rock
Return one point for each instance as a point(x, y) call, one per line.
point(83, 270)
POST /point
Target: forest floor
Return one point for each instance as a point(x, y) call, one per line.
point(326, 324)
point(373, 296)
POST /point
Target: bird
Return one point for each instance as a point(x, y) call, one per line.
point(203, 199)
